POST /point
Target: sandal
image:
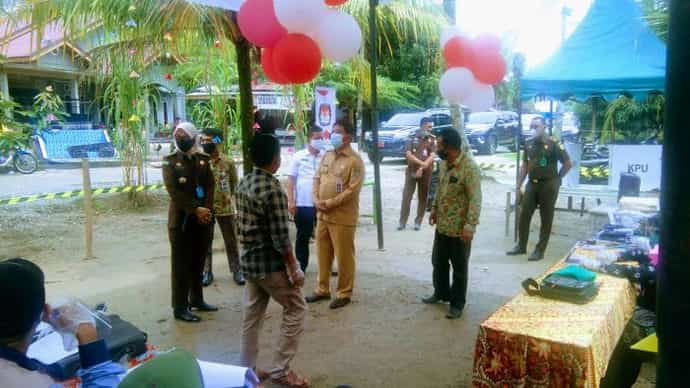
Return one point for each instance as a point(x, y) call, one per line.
point(262, 375)
point(291, 380)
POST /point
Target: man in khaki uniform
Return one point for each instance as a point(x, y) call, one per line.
point(337, 185)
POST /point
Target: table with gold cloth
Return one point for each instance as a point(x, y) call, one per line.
point(536, 342)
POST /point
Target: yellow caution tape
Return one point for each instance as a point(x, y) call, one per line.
point(79, 193)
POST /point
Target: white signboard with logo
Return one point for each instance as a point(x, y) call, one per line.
point(324, 104)
point(641, 160)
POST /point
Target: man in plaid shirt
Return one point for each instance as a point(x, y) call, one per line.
point(268, 263)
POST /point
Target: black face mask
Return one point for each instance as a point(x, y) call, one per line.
point(185, 144)
point(209, 148)
point(442, 154)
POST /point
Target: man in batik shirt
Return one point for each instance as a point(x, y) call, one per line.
point(456, 214)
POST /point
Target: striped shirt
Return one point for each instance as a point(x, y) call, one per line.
point(262, 215)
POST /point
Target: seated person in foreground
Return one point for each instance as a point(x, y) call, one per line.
point(22, 308)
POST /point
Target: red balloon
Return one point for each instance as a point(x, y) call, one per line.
point(487, 42)
point(270, 70)
point(258, 23)
point(297, 57)
point(458, 52)
point(335, 3)
point(489, 67)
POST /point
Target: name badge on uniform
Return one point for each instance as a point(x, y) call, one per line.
point(339, 186)
point(424, 153)
point(200, 193)
point(542, 162)
point(224, 185)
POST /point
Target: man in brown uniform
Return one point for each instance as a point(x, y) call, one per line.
point(225, 177)
point(541, 164)
point(420, 160)
point(189, 182)
point(337, 185)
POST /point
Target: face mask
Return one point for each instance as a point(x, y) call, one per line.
point(185, 144)
point(442, 154)
point(336, 140)
point(318, 144)
point(209, 148)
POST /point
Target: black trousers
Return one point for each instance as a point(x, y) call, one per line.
point(450, 250)
point(541, 194)
point(188, 247)
point(305, 220)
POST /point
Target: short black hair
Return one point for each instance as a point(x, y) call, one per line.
point(349, 129)
point(451, 137)
point(264, 149)
point(22, 285)
point(314, 129)
point(213, 132)
point(425, 120)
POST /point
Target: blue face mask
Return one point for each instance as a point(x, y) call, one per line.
point(336, 140)
point(318, 144)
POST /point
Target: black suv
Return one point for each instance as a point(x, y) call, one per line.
point(487, 130)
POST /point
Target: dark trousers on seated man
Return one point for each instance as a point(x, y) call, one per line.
point(305, 220)
point(449, 251)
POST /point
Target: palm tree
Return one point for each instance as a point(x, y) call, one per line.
point(149, 26)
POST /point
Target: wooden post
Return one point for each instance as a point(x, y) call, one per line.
point(508, 211)
point(88, 208)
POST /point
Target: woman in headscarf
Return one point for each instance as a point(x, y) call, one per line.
point(189, 181)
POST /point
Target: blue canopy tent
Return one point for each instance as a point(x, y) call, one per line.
point(611, 52)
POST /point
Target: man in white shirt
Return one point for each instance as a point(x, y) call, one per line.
point(300, 185)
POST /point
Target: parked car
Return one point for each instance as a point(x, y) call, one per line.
point(570, 128)
point(487, 130)
point(394, 134)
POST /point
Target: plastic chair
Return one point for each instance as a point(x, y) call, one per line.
point(176, 369)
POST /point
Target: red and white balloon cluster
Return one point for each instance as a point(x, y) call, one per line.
point(474, 65)
point(296, 34)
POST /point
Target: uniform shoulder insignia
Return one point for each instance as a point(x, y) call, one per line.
point(561, 146)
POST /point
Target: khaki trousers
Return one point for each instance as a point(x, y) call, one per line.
point(257, 293)
point(421, 185)
point(337, 241)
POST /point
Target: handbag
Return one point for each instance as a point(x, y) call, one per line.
point(563, 288)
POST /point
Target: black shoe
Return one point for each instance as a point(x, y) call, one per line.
point(207, 279)
point(238, 277)
point(203, 306)
point(517, 250)
point(334, 273)
point(339, 302)
point(536, 255)
point(454, 313)
point(316, 298)
point(186, 316)
point(401, 227)
point(433, 299)
point(417, 226)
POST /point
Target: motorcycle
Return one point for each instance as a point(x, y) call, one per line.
point(20, 160)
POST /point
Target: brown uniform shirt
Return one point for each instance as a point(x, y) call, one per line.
point(542, 157)
point(422, 146)
point(338, 181)
point(186, 177)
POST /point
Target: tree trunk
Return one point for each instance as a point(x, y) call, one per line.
point(244, 73)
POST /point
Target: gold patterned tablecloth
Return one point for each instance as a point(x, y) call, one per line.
point(537, 342)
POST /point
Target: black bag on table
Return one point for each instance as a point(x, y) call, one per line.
point(562, 288)
point(124, 339)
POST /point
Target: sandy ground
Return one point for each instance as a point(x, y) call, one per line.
point(386, 338)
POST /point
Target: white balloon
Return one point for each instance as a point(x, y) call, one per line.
point(339, 36)
point(300, 16)
point(481, 98)
point(456, 84)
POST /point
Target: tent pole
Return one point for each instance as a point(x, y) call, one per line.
point(518, 70)
point(373, 46)
point(551, 116)
point(594, 119)
point(673, 288)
